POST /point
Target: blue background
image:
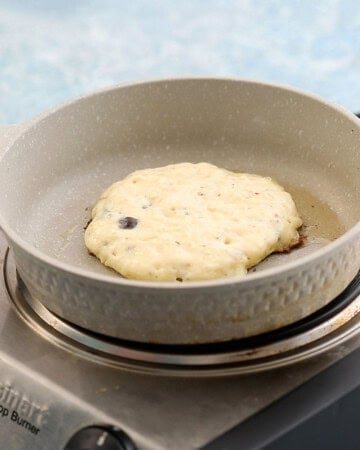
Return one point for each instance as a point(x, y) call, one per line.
point(51, 51)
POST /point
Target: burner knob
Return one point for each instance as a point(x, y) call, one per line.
point(100, 437)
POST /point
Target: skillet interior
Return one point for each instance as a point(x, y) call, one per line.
point(60, 166)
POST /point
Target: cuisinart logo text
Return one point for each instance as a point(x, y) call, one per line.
point(20, 410)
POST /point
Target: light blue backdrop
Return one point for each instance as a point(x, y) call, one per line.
point(53, 50)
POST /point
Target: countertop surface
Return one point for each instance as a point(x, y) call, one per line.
point(51, 51)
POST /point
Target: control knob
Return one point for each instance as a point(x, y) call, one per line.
point(100, 437)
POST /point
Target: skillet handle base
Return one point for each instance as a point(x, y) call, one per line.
point(8, 133)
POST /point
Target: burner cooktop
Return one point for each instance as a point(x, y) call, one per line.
point(57, 380)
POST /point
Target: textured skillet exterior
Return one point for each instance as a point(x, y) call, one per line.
point(192, 315)
point(205, 312)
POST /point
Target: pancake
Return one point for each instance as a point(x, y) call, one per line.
point(186, 222)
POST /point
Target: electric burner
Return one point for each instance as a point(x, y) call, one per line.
point(63, 387)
